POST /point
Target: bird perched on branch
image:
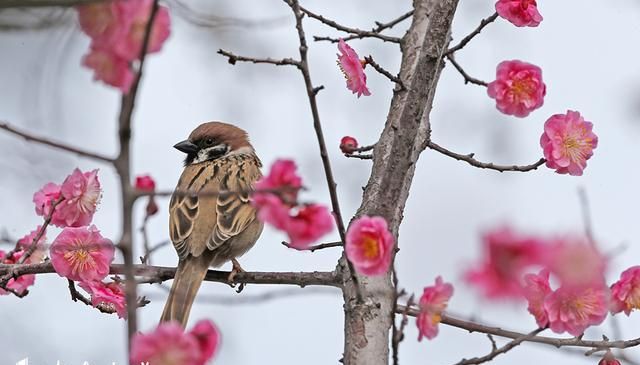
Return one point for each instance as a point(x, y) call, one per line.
point(211, 220)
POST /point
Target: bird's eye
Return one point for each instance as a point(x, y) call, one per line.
point(209, 141)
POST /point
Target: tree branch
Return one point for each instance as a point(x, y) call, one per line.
point(498, 351)
point(467, 78)
point(122, 165)
point(58, 145)
point(475, 32)
point(552, 341)
point(298, 13)
point(321, 246)
point(382, 26)
point(158, 274)
point(278, 62)
point(43, 3)
point(395, 155)
point(384, 72)
point(356, 33)
point(485, 165)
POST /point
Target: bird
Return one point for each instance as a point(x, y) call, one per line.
point(211, 219)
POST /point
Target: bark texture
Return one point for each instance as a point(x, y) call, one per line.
point(405, 136)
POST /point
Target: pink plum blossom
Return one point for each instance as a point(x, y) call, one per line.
point(507, 255)
point(169, 344)
point(536, 290)
point(574, 309)
point(283, 176)
point(369, 245)
point(24, 244)
point(45, 198)
point(145, 183)
point(273, 211)
point(103, 22)
point(208, 338)
point(518, 88)
point(82, 254)
point(608, 359)
point(575, 261)
point(310, 223)
point(625, 293)
point(130, 46)
point(81, 192)
point(109, 68)
point(353, 69)
point(433, 302)
point(23, 282)
point(522, 13)
point(568, 142)
point(348, 144)
point(107, 295)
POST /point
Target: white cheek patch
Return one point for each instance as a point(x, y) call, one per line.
point(204, 154)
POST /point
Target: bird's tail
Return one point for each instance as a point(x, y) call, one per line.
point(189, 276)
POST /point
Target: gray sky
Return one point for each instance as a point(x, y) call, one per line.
point(588, 53)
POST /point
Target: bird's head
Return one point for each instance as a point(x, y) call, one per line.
point(214, 140)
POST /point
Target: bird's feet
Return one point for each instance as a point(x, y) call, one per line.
point(232, 275)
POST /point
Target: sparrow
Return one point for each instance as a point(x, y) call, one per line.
point(211, 220)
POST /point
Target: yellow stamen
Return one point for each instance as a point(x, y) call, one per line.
point(370, 247)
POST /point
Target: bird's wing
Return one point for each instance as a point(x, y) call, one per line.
point(190, 209)
point(206, 220)
point(234, 212)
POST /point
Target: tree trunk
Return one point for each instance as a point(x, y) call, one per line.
point(405, 135)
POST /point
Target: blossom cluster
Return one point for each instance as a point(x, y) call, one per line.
point(276, 198)
point(169, 344)
point(79, 252)
point(117, 29)
point(21, 284)
point(567, 141)
point(517, 265)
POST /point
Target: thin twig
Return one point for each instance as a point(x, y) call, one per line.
point(145, 259)
point(104, 308)
point(467, 79)
point(497, 351)
point(388, 25)
point(34, 243)
point(384, 72)
point(475, 32)
point(485, 165)
point(299, 12)
point(362, 157)
point(379, 28)
point(357, 33)
point(59, 145)
point(233, 58)
point(315, 247)
point(122, 165)
point(4, 280)
point(4, 4)
point(586, 215)
point(364, 148)
point(397, 332)
point(552, 341)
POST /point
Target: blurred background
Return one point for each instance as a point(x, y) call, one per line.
point(589, 55)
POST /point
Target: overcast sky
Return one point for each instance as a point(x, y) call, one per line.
point(589, 56)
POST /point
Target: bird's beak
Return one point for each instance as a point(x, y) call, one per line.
point(186, 146)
